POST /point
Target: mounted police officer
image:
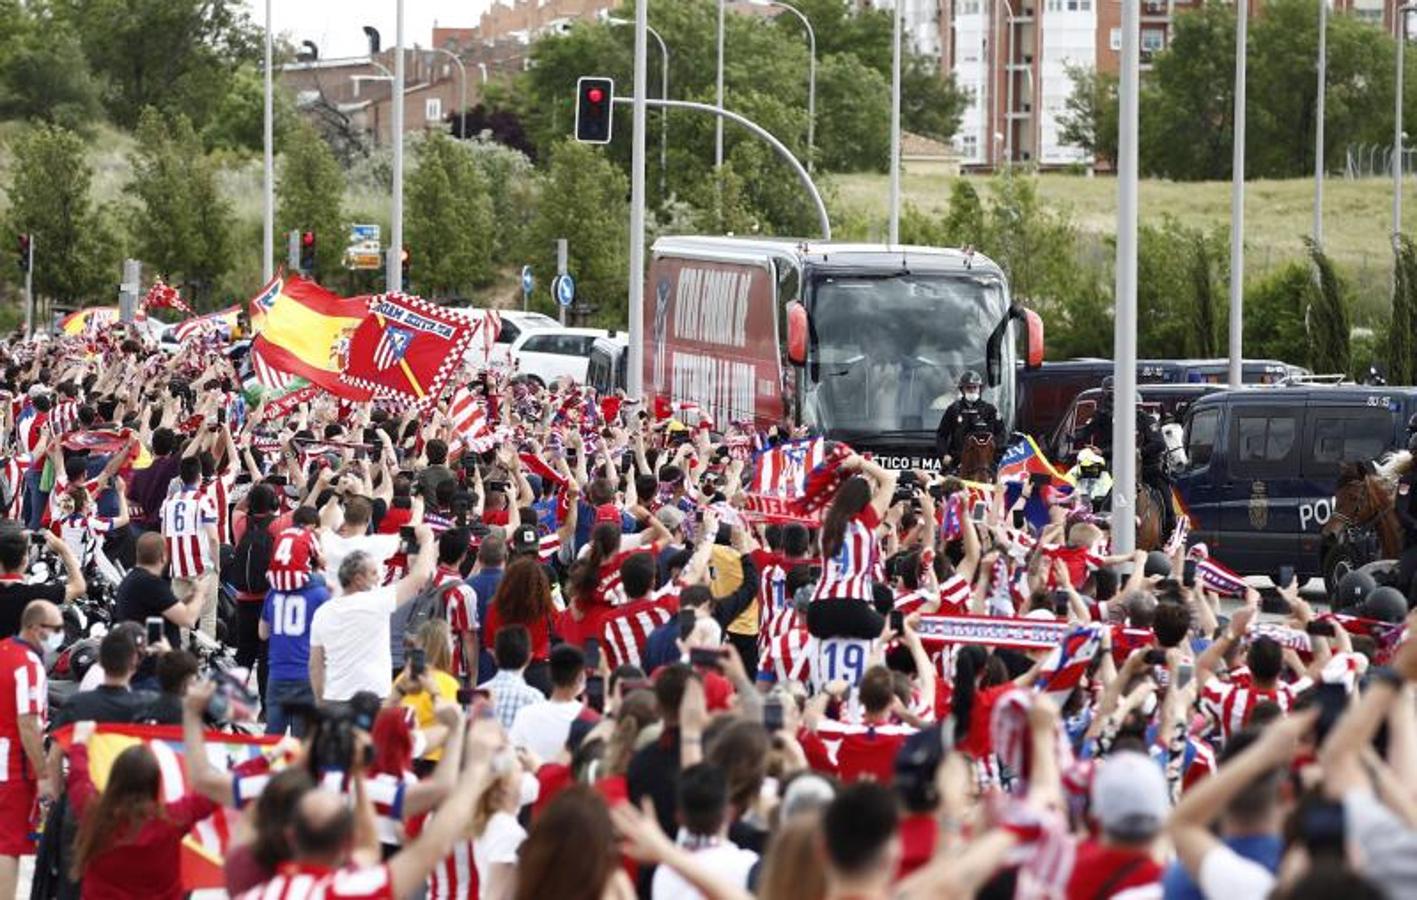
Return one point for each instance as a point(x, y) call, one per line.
point(969, 415)
point(1151, 445)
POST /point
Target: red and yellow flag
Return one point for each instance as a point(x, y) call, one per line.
point(304, 329)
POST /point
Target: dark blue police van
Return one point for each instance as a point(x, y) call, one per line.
point(1262, 465)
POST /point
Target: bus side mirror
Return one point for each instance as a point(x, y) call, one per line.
point(1033, 326)
point(797, 333)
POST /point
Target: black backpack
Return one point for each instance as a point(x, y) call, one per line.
point(409, 619)
point(246, 570)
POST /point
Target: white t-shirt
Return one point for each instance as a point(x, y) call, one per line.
point(335, 548)
point(499, 844)
point(724, 858)
point(354, 630)
point(543, 727)
point(1226, 875)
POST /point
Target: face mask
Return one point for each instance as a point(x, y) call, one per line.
point(971, 396)
point(54, 641)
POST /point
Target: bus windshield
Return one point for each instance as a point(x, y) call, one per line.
point(886, 352)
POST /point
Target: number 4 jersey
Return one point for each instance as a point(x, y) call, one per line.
point(287, 615)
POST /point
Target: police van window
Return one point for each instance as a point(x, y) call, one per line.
point(1200, 436)
point(1347, 435)
point(1263, 441)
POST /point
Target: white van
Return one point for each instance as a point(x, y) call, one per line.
point(545, 354)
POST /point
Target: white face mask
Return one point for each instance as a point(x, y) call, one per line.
point(54, 641)
point(971, 396)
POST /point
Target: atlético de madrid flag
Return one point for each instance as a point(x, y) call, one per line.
point(405, 349)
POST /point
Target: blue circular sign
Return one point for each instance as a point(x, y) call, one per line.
point(565, 290)
point(528, 280)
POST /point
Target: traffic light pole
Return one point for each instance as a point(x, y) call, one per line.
point(636, 361)
point(823, 220)
point(29, 289)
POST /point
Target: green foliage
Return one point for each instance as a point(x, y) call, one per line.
point(44, 76)
point(310, 195)
point(76, 251)
point(853, 116)
point(1328, 316)
point(1402, 333)
point(1089, 118)
point(512, 184)
point(1177, 291)
point(586, 195)
point(1274, 314)
point(1189, 101)
point(930, 102)
point(181, 222)
point(449, 218)
point(239, 122)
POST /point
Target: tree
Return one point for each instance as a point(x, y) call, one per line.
point(1274, 313)
point(499, 125)
point(511, 182)
point(174, 55)
point(310, 195)
point(853, 116)
point(1176, 290)
point(449, 220)
point(1327, 316)
point(1089, 119)
point(1188, 108)
point(1402, 331)
point(44, 76)
point(931, 103)
point(239, 122)
point(181, 222)
point(76, 251)
point(583, 202)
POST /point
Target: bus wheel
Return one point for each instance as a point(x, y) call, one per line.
point(1339, 559)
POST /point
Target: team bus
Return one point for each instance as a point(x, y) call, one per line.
point(863, 342)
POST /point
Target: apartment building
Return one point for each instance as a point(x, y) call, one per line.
point(520, 21)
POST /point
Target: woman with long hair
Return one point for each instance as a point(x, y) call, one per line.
point(851, 555)
point(254, 862)
point(524, 598)
point(592, 872)
point(792, 869)
point(436, 640)
point(496, 834)
point(130, 841)
point(594, 580)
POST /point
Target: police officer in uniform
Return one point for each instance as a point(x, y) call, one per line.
point(1151, 446)
point(970, 414)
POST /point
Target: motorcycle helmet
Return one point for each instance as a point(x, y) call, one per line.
point(1353, 589)
point(1090, 463)
point(82, 658)
point(970, 379)
point(1386, 604)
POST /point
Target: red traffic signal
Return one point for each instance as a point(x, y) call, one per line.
point(24, 252)
point(307, 238)
point(595, 101)
point(307, 251)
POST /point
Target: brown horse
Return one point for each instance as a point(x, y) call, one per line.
point(976, 461)
point(1149, 517)
point(1364, 498)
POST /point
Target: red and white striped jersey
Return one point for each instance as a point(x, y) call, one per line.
point(294, 881)
point(628, 628)
point(12, 472)
point(61, 487)
point(294, 555)
point(460, 607)
point(217, 488)
point(455, 878)
point(30, 430)
point(386, 793)
point(862, 750)
point(609, 590)
point(82, 534)
point(775, 613)
point(954, 596)
point(848, 574)
point(788, 657)
point(23, 691)
point(1230, 705)
point(187, 518)
point(64, 417)
point(909, 603)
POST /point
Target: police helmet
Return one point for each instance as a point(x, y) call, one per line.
point(1353, 589)
point(1157, 563)
point(970, 379)
point(1412, 442)
point(1109, 384)
point(1386, 604)
point(1412, 424)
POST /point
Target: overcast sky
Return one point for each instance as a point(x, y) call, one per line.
point(336, 26)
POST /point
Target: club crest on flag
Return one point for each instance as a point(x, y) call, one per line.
point(393, 345)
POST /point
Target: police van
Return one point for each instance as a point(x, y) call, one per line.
point(1262, 464)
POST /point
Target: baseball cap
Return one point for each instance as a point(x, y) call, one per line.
point(1129, 796)
point(670, 517)
point(525, 539)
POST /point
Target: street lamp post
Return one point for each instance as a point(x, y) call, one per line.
point(394, 264)
point(1402, 12)
point(1236, 327)
point(1319, 126)
point(636, 361)
point(893, 231)
point(268, 193)
point(1009, 85)
point(663, 113)
point(1124, 435)
point(811, 72)
point(462, 86)
point(718, 94)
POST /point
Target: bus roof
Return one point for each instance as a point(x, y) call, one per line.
point(828, 252)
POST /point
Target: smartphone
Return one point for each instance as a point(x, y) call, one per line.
point(156, 633)
point(1061, 603)
point(1184, 673)
point(1155, 657)
point(979, 510)
point(37, 538)
point(772, 714)
point(897, 621)
point(221, 415)
point(1332, 700)
point(592, 654)
point(1321, 629)
point(1286, 577)
point(408, 540)
point(705, 657)
point(1275, 605)
point(1018, 519)
point(687, 619)
point(1188, 573)
point(417, 662)
point(595, 693)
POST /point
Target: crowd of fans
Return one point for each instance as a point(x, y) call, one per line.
point(576, 660)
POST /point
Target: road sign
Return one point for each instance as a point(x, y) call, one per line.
point(365, 250)
point(564, 288)
point(528, 280)
point(361, 234)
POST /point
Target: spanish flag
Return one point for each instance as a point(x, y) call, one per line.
point(304, 329)
point(89, 320)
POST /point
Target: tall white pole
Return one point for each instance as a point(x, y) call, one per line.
point(1124, 435)
point(894, 228)
point(811, 89)
point(635, 376)
point(268, 191)
point(663, 117)
point(1008, 84)
point(718, 122)
point(1397, 130)
point(1237, 201)
point(1319, 126)
point(394, 267)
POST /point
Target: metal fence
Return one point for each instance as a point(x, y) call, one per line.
point(1375, 160)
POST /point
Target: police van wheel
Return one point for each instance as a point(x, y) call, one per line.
point(1339, 560)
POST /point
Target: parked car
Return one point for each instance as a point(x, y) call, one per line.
point(515, 324)
point(545, 354)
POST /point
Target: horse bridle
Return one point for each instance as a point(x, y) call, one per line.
point(1374, 501)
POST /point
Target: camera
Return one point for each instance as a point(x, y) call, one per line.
point(336, 731)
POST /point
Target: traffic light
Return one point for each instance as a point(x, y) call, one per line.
point(307, 252)
point(403, 267)
point(24, 252)
point(594, 99)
